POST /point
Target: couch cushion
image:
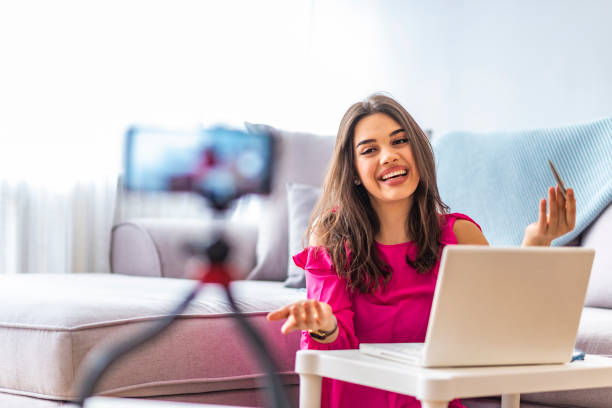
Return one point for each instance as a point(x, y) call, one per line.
point(22, 401)
point(590, 398)
point(514, 165)
point(302, 158)
point(595, 331)
point(599, 237)
point(594, 337)
point(494, 402)
point(156, 247)
point(301, 200)
point(48, 323)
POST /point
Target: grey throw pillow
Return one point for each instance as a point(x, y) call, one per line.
point(301, 200)
point(300, 158)
point(597, 236)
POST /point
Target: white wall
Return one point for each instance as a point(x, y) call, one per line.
point(398, 47)
point(531, 64)
point(475, 64)
point(74, 75)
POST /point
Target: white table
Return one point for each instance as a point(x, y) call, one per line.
point(436, 387)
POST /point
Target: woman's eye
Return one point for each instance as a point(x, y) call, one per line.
point(368, 150)
point(400, 141)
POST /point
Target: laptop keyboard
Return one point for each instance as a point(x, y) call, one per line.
point(413, 349)
point(404, 352)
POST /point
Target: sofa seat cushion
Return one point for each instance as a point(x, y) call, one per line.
point(48, 323)
point(595, 331)
point(594, 337)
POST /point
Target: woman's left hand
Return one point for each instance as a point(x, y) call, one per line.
point(560, 220)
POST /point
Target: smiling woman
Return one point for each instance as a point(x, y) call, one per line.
point(375, 242)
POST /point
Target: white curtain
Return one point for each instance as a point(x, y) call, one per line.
point(50, 231)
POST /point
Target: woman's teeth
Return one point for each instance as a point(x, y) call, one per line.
point(394, 174)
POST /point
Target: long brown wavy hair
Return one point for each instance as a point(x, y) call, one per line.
point(344, 220)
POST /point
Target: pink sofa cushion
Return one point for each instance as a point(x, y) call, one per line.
point(599, 237)
point(48, 323)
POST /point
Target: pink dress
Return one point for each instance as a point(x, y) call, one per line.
point(398, 314)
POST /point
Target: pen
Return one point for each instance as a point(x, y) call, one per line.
point(558, 178)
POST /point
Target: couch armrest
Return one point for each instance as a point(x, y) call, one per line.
point(154, 247)
point(599, 237)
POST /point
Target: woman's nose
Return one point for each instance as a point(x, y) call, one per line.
point(388, 156)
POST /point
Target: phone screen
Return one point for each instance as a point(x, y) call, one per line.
point(220, 163)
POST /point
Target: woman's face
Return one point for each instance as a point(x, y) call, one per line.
point(384, 161)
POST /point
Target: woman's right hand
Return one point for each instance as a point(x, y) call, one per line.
point(307, 314)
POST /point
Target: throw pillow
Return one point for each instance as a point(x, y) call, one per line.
point(301, 200)
point(301, 158)
point(597, 236)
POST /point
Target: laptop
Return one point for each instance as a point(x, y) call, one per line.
point(500, 306)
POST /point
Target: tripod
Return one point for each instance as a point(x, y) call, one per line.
point(218, 272)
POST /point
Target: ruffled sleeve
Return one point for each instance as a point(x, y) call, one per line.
point(324, 284)
point(448, 221)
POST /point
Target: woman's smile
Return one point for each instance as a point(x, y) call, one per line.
point(394, 175)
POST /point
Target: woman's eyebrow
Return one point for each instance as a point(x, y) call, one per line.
point(395, 132)
point(364, 142)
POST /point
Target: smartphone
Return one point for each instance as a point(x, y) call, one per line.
point(219, 163)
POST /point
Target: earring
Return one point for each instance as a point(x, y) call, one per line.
point(357, 182)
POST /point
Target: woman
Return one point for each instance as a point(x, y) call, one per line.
point(375, 240)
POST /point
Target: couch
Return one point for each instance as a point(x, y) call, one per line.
point(48, 323)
